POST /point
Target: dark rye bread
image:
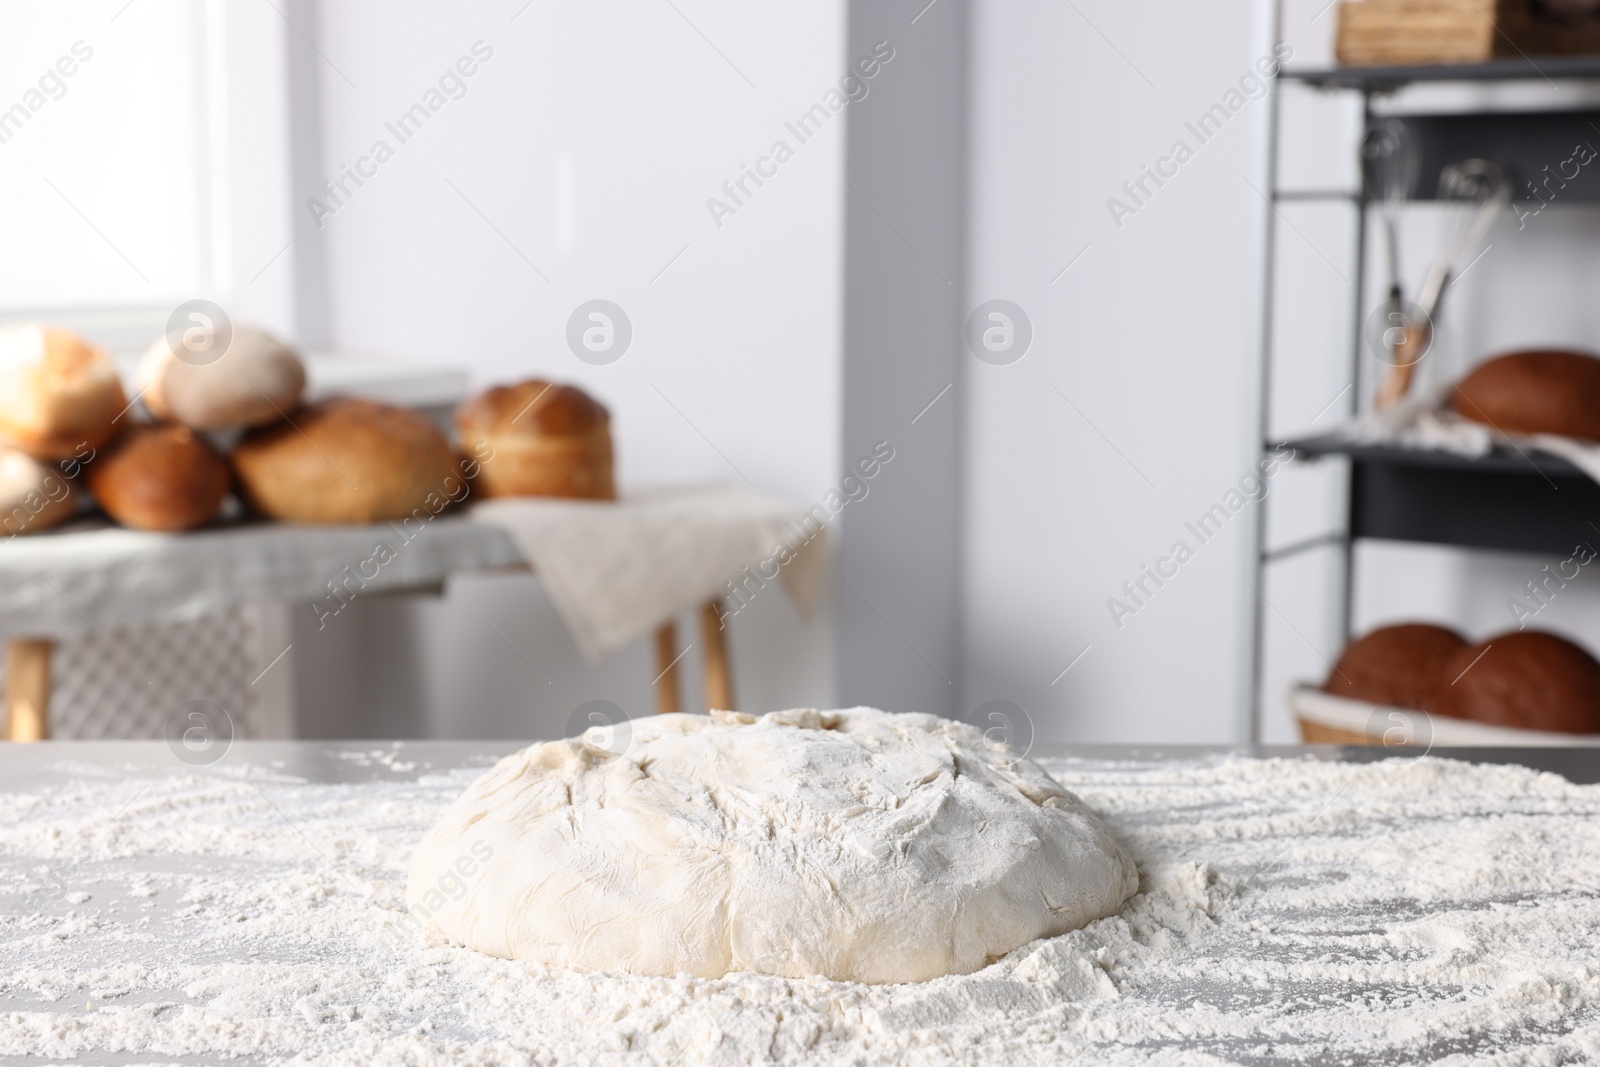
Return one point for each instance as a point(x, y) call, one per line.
point(1528, 680)
point(1398, 666)
point(1537, 391)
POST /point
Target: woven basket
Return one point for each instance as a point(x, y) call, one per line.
point(1315, 733)
point(1382, 33)
point(1326, 719)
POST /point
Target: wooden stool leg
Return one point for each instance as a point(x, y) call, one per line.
point(28, 690)
point(667, 656)
point(719, 675)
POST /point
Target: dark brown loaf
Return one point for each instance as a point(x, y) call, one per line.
point(347, 461)
point(1528, 680)
point(159, 477)
point(539, 439)
point(1398, 666)
point(1538, 391)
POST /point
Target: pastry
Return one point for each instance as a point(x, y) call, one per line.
point(1538, 391)
point(539, 439)
point(33, 496)
point(59, 395)
point(345, 460)
point(1525, 679)
point(258, 380)
point(159, 477)
point(848, 845)
point(1397, 666)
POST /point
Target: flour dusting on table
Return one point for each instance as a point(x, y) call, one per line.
point(1289, 910)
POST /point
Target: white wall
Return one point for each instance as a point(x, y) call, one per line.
point(1128, 416)
point(577, 166)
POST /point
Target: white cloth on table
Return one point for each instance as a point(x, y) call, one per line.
point(74, 580)
point(617, 569)
point(614, 570)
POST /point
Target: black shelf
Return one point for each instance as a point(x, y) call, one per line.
point(1382, 79)
point(1505, 500)
point(1536, 148)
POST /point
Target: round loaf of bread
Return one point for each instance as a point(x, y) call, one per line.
point(1524, 679)
point(159, 477)
point(34, 496)
point(347, 461)
point(1397, 666)
point(1538, 391)
point(539, 439)
point(258, 380)
point(59, 394)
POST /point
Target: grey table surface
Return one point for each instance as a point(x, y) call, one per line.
point(355, 780)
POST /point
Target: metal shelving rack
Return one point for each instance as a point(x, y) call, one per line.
point(1505, 500)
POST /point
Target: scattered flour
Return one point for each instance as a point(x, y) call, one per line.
point(1289, 911)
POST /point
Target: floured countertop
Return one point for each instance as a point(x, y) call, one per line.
point(1290, 910)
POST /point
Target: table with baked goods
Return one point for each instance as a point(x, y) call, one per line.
point(615, 570)
point(1307, 904)
point(241, 473)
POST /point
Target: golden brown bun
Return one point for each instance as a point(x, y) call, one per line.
point(1529, 680)
point(539, 439)
point(1534, 392)
point(257, 381)
point(58, 393)
point(1399, 666)
point(33, 496)
point(159, 477)
point(347, 461)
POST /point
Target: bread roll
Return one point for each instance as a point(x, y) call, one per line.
point(1541, 391)
point(347, 461)
point(539, 439)
point(1525, 679)
point(33, 496)
point(58, 393)
point(159, 477)
point(258, 380)
point(1397, 666)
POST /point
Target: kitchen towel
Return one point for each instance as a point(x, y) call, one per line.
point(615, 570)
point(1425, 421)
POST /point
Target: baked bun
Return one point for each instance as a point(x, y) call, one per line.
point(58, 393)
point(347, 461)
point(539, 439)
point(159, 477)
point(258, 380)
point(33, 496)
point(1540, 391)
point(1525, 679)
point(1397, 666)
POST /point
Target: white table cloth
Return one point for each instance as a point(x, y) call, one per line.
point(615, 570)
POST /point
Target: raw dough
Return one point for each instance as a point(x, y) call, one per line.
point(854, 845)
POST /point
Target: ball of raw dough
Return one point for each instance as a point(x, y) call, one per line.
point(258, 380)
point(853, 845)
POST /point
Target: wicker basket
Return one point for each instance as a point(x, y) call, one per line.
point(1329, 720)
point(1315, 733)
point(1382, 33)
